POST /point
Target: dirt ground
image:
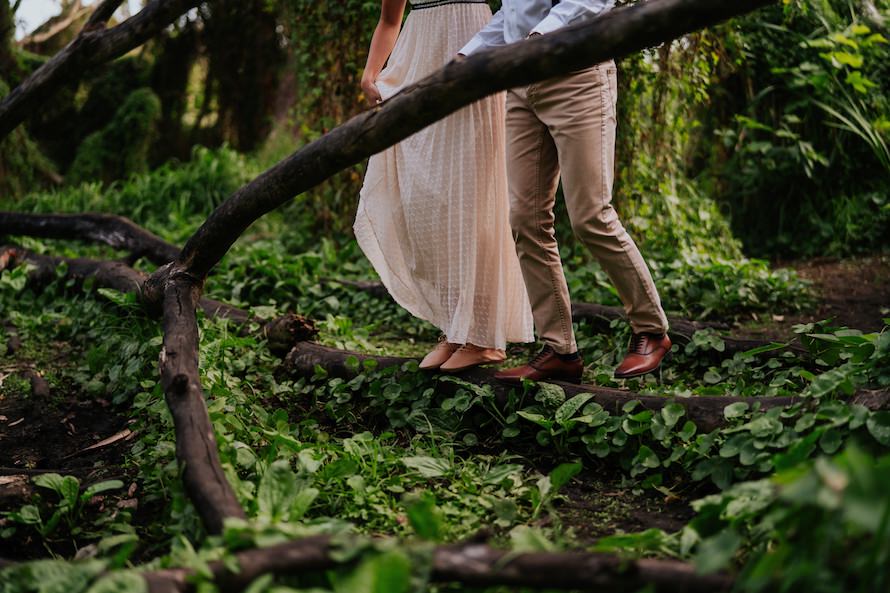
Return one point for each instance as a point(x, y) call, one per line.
point(852, 292)
point(52, 429)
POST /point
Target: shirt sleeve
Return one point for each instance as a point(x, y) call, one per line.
point(569, 12)
point(491, 35)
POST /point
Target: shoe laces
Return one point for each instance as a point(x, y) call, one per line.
point(545, 352)
point(637, 343)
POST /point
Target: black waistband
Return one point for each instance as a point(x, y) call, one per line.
point(435, 3)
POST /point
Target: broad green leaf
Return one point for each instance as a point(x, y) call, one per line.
point(646, 457)
point(735, 410)
point(878, 425)
point(120, 582)
point(100, 487)
point(277, 490)
point(715, 553)
point(425, 517)
point(388, 572)
point(498, 473)
point(428, 467)
point(564, 472)
point(571, 407)
point(672, 413)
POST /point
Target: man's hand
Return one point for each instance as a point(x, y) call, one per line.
point(369, 88)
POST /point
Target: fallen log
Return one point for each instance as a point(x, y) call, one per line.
point(475, 565)
point(115, 231)
point(705, 411)
point(93, 46)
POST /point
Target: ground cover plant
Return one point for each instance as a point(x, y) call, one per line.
point(343, 443)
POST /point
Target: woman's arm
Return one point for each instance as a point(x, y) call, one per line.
point(385, 36)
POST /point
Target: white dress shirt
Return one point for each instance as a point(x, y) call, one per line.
point(517, 19)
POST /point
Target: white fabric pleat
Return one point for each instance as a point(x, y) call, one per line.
point(433, 214)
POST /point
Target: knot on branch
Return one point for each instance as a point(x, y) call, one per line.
point(179, 385)
point(285, 332)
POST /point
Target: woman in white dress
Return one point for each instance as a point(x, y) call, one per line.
point(433, 214)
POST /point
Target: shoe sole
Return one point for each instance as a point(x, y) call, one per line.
point(635, 375)
point(518, 381)
point(471, 366)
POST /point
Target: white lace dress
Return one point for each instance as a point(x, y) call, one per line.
point(433, 214)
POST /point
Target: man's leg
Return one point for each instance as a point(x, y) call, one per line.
point(532, 174)
point(580, 111)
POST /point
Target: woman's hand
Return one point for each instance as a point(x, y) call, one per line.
point(372, 93)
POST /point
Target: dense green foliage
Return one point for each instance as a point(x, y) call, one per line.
point(764, 136)
point(121, 148)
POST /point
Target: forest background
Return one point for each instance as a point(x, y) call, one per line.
point(742, 149)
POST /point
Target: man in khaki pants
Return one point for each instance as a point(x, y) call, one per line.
point(565, 127)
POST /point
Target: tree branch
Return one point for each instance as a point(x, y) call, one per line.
point(89, 49)
point(705, 411)
point(112, 230)
point(196, 449)
point(475, 565)
point(101, 15)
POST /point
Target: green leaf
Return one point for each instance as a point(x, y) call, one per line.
point(499, 473)
point(100, 487)
point(571, 407)
point(564, 472)
point(831, 441)
point(878, 425)
point(428, 467)
point(536, 418)
point(646, 457)
point(425, 517)
point(277, 490)
point(735, 410)
point(672, 413)
point(715, 553)
point(389, 572)
point(120, 582)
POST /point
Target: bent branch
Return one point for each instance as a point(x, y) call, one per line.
point(461, 82)
point(469, 564)
point(94, 45)
point(112, 230)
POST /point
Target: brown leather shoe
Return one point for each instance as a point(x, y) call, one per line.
point(643, 355)
point(546, 365)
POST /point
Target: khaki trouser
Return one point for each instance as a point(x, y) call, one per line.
point(566, 126)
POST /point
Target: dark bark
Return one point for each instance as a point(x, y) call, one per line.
point(468, 564)
point(89, 49)
point(705, 411)
point(115, 231)
point(13, 341)
point(196, 449)
point(459, 83)
point(101, 15)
